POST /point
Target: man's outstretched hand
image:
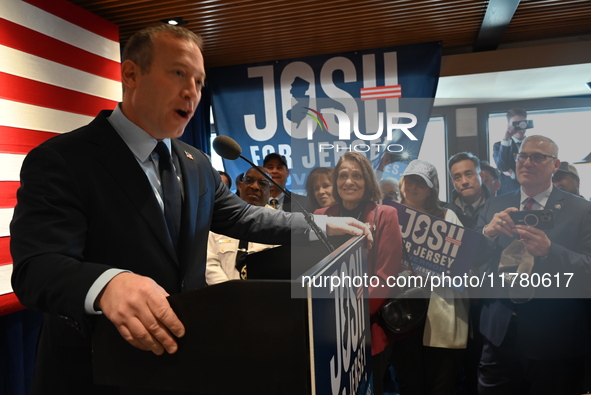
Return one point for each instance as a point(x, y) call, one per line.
point(336, 226)
point(138, 307)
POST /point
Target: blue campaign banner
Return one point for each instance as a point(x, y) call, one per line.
point(435, 246)
point(314, 109)
point(340, 324)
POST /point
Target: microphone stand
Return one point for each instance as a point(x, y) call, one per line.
point(307, 216)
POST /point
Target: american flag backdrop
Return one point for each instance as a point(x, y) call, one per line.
point(59, 66)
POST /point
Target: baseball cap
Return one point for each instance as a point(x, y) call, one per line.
point(275, 155)
point(424, 169)
point(567, 168)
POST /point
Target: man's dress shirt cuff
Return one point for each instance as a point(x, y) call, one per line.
point(96, 289)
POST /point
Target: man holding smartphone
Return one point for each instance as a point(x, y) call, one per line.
point(538, 346)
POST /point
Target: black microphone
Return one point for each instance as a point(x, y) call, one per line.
point(228, 148)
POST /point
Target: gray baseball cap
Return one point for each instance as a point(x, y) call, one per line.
point(424, 169)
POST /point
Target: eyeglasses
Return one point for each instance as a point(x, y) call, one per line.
point(262, 182)
point(535, 158)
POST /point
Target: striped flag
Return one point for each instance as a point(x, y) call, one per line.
point(453, 241)
point(381, 92)
point(59, 67)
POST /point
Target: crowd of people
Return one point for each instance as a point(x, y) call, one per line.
point(464, 345)
point(114, 217)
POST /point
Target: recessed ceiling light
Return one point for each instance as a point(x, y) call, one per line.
point(174, 21)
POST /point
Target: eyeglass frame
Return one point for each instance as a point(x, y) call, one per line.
point(531, 157)
point(251, 180)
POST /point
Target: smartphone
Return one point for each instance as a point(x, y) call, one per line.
point(541, 219)
point(522, 125)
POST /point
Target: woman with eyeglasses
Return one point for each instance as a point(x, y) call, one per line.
point(357, 195)
point(319, 188)
point(429, 359)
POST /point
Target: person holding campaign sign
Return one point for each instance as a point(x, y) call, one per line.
point(428, 360)
point(357, 194)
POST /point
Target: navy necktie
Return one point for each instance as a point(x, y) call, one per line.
point(171, 192)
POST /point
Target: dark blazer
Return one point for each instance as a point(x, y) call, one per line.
point(290, 206)
point(505, 160)
point(468, 221)
point(547, 327)
point(86, 206)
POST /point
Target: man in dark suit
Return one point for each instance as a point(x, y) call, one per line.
point(277, 166)
point(538, 347)
point(505, 150)
point(102, 227)
point(469, 194)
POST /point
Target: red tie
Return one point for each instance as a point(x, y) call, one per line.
point(529, 204)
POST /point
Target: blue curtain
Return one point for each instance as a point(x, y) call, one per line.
point(18, 343)
point(198, 131)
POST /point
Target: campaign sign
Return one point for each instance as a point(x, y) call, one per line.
point(313, 109)
point(340, 326)
point(435, 246)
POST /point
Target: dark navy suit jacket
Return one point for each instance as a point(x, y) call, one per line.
point(505, 160)
point(84, 206)
point(550, 325)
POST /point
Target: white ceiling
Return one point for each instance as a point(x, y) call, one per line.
point(538, 71)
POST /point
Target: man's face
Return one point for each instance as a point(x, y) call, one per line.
point(489, 180)
point(225, 179)
point(467, 180)
point(519, 133)
point(279, 172)
point(536, 175)
point(254, 188)
point(567, 182)
point(163, 100)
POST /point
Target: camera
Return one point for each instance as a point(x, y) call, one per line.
point(541, 219)
point(522, 125)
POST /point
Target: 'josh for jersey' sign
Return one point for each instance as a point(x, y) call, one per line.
point(380, 98)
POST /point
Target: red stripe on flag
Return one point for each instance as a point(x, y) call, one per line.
point(9, 303)
point(21, 141)
point(380, 88)
point(453, 241)
point(8, 195)
point(371, 97)
point(78, 16)
point(28, 91)
point(5, 257)
point(381, 92)
point(26, 40)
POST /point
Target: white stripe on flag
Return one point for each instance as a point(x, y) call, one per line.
point(39, 69)
point(5, 218)
point(27, 116)
point(5, 273)
point(34, 18)
point(10, 166)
